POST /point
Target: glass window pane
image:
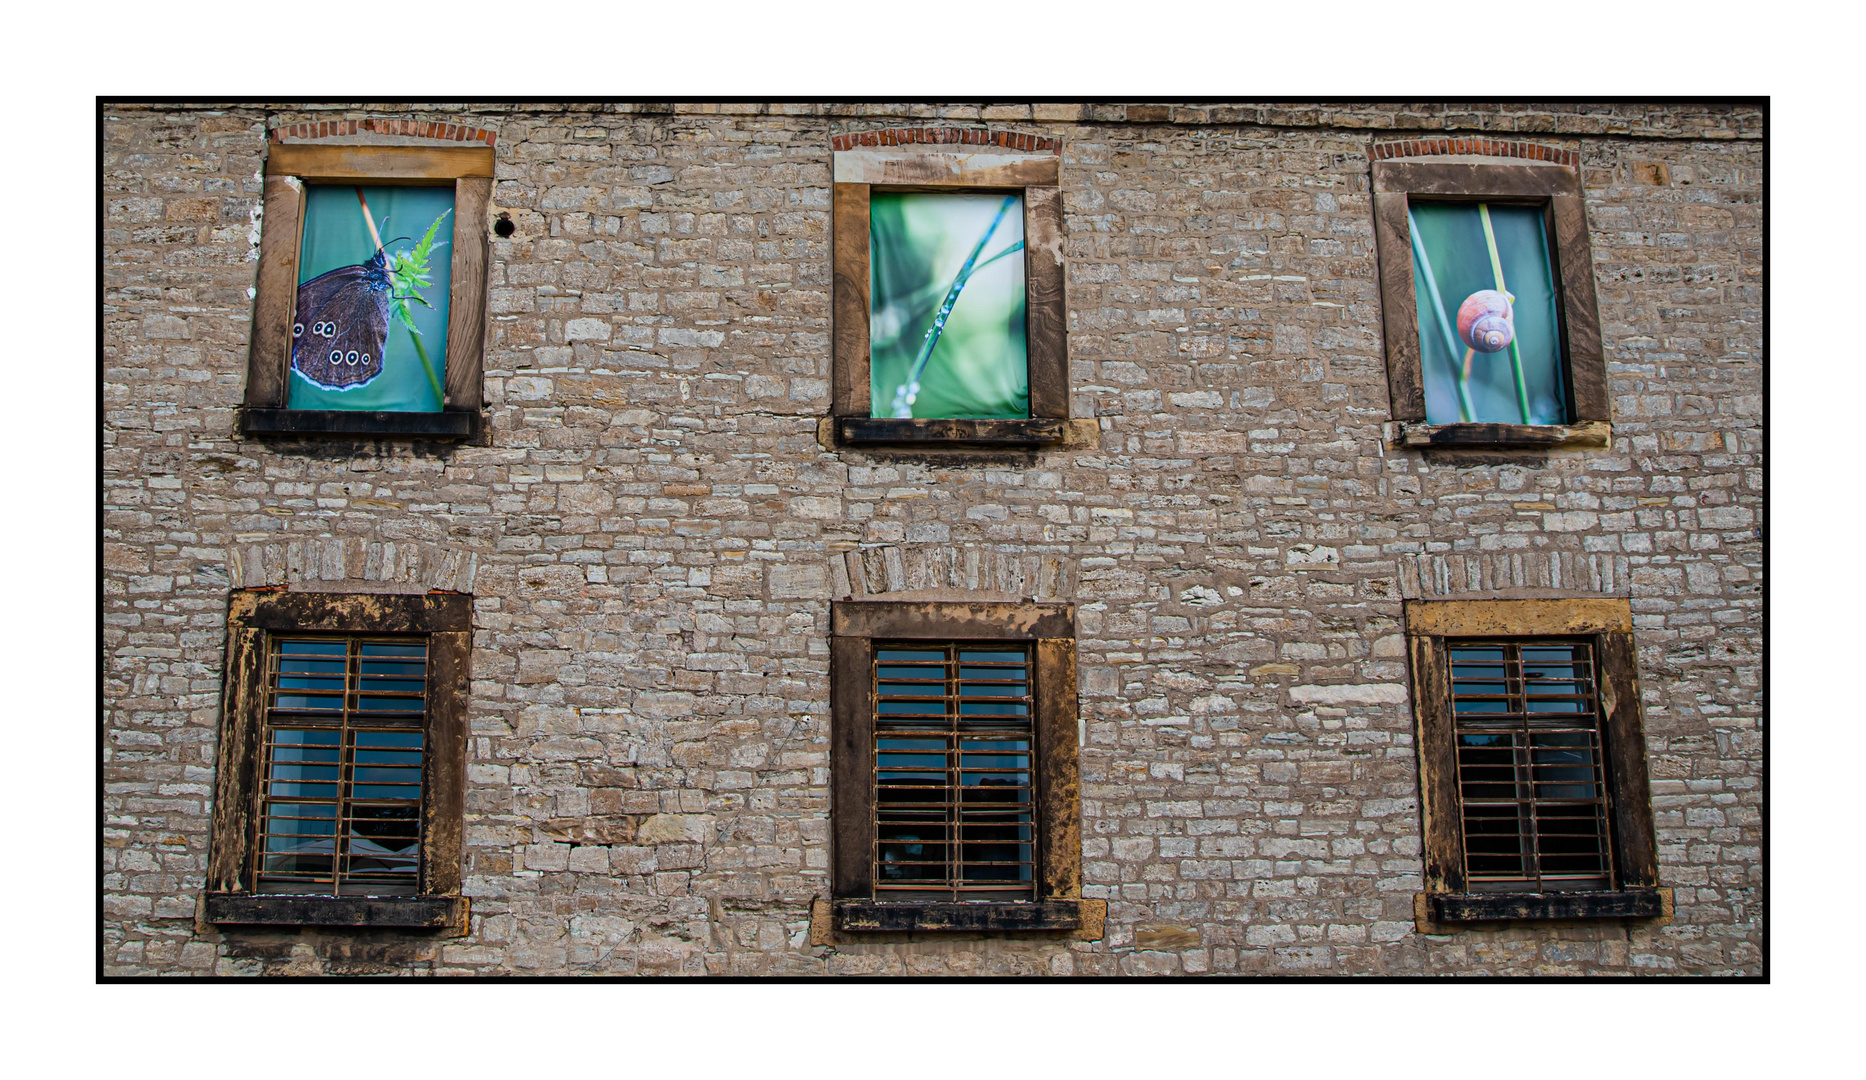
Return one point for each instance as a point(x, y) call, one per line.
point(1486, 358)
point(312, 648)
point(374, 260)
point(903, 656)
point(946, 306)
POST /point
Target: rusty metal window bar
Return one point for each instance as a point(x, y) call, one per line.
point(954, 743)
point(1530, 785)
point(340, 805)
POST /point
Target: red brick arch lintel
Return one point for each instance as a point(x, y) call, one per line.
point(1406, 148)
point(961, 136)
point(420, 129)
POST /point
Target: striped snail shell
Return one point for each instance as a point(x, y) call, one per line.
point(1486, 321)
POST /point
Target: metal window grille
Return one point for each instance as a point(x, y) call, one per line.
point(953, 759)
point(340, 806)
point(1533, 798)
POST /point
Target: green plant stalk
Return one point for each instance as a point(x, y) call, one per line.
point(920, 296)
point(1465, 409)
point(440, 401)
point(1516, 354)
point(915, 369)
point(414, 335)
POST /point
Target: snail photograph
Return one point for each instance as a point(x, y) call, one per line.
point(1488, 338)
point(369, 322)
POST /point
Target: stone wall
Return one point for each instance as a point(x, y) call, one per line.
point(654, 532)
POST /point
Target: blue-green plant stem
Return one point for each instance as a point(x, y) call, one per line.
point(1465, 409)
point(919, 296)
point(1516, 354)
point(440, 400)
point(952, 297)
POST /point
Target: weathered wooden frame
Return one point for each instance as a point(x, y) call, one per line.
point(854, 628)
point(1557, 189)
point(1430, 626)
point(288, 169)
point(1037, 177)
point(446, 620)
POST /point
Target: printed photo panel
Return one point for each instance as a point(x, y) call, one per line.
point(369, 328)
point(947, 300)
point(1489, 332)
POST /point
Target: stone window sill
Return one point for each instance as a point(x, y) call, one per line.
point(880, 916)
point(1034, 434)
point(363, 912)
point(1412, 435)
point(1460, 908)
point(433, 425)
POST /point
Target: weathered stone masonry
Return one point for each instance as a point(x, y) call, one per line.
point(653, 533)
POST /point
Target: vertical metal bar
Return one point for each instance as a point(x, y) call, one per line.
point(955, 777)
point(346, 755)
point(1530, 836)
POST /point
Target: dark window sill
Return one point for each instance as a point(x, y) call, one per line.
point(1003, 434)
point(1411, 434)
point(880, 916)
point(1501, 907)
point(394, 912)
point(434, 425)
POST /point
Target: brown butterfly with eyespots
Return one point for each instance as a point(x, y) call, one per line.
point(342, 323)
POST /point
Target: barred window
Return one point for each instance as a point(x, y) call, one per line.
point(954, 785)
point(953, 793)
point(341, 800)
point(1529, 761)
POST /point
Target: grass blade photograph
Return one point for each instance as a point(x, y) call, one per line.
point(947, 300)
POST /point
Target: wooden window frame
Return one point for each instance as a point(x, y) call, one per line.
point(1431, 625)
point(289, 170)
point(254, 617)
point(1557, 188)
point(855, 627)
point(1037, 177)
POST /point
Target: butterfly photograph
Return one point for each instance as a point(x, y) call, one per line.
point(369, 326)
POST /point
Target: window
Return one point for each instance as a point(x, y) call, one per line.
point(954, 783)
point(954, 797)
point(948, 298)
point(1533, 800)
point(340, 790)
point(339, 795)
point(1487, 291)
point(370, 303)
point(1532, 760)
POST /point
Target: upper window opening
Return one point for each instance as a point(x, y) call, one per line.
point(1489, 318)
point(1488, 302)
point(369, 303)
point(947, 306)
point(949, 322)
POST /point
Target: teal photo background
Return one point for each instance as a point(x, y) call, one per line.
point(336, 236)
point(1453, 239)
point(918, 244)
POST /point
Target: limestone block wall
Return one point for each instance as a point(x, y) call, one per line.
point(653, 532)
